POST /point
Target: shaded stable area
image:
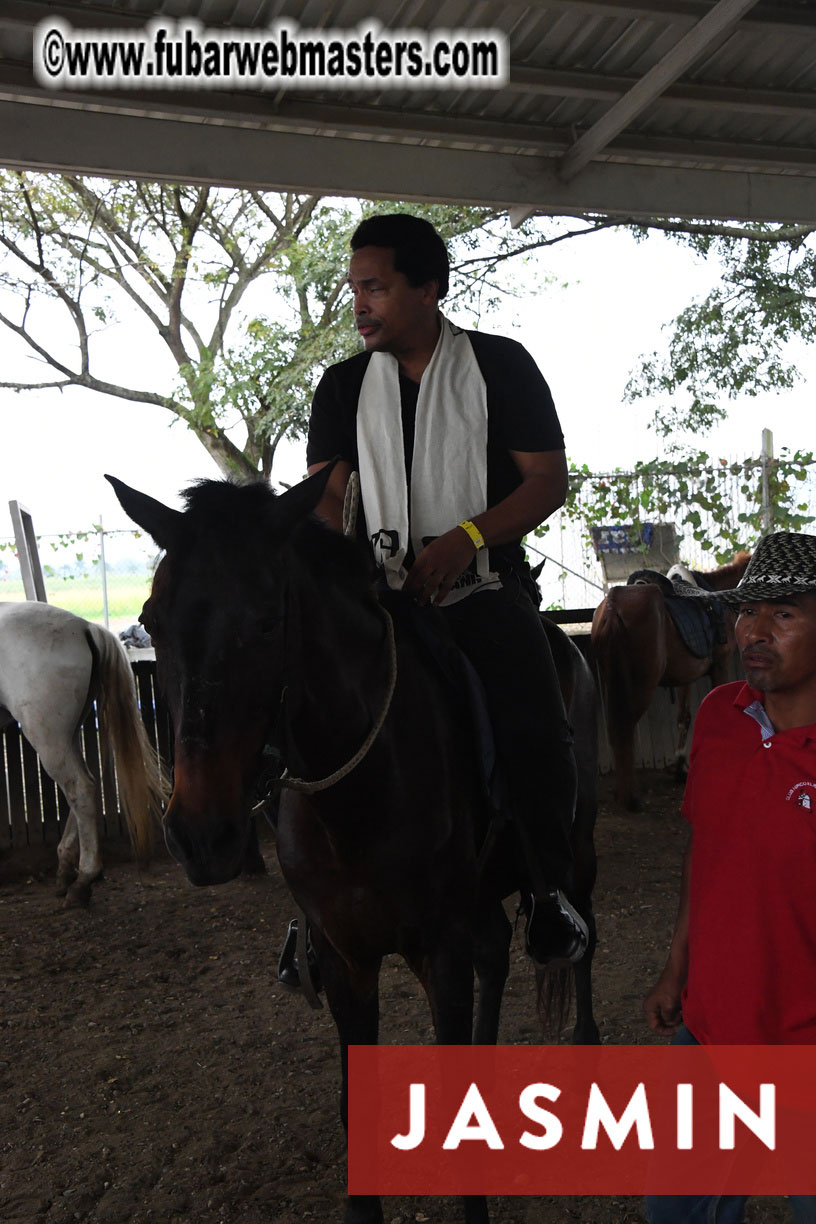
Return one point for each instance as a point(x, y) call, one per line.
point(153, 1070)
point(630, 108)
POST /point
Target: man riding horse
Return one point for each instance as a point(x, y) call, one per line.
point(460, 454)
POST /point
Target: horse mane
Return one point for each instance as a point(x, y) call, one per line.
point(245, 509)
point(226, 504)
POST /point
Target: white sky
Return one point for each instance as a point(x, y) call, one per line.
point(586, 336)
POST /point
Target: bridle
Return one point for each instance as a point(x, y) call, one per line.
point(304, 787)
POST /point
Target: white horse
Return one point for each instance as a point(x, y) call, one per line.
point(53, 665)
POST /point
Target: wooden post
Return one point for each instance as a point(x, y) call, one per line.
point(16, 788)
point(5, 811)
point(27, 552)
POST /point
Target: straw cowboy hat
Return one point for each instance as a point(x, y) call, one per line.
point(783, 564)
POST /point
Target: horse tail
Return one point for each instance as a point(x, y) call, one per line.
point(142, 791)
point(611, 651)
point(616, 661)
point(554, 995)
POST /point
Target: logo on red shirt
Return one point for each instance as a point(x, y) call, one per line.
point(801, 795)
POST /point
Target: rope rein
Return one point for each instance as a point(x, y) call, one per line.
point(350, 508)
point(310, 788)
point(351, 504)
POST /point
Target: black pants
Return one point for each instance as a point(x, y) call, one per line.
point(501, 633)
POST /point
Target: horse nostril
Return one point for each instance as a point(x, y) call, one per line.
point(179, 842)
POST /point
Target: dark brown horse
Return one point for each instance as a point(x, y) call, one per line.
point(269, 638)
point(637, 649)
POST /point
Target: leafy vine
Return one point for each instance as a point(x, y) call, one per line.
point(721, 504)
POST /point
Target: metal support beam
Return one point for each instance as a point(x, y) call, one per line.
point(120, 146)
point(310, 119)
point(665, 72)
point(517, 216)
point(602, 87)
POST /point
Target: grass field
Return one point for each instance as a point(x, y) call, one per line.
point(83, 595)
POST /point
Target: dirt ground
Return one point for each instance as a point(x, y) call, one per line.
point(152, 1069)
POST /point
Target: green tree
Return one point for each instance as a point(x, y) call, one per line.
point(187, 259)
point(736, 340)
point(197, 261)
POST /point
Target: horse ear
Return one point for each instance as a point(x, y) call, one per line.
point(158, 520)
point(295, 504)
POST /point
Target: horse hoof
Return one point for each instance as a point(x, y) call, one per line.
point(64, 881)
point(78, 895)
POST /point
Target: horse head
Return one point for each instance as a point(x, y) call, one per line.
point(217, 614)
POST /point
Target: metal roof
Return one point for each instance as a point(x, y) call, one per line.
point(683, 108)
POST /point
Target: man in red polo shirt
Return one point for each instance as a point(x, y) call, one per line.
point(742, 963)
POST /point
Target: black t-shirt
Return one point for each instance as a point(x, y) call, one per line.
point(521, 416)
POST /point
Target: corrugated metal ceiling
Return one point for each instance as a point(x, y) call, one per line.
point(676, 107)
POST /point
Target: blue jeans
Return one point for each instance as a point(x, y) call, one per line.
point(714, 1208)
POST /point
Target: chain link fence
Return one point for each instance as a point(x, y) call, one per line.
point(103, 576)
point(573, 575)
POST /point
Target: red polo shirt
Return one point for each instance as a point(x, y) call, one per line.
point(751, 802)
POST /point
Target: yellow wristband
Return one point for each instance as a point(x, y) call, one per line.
point(474, 533)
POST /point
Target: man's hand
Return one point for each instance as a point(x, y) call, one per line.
point(662, 1004)
point(437, 567)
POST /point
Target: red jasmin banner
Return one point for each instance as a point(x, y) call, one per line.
point(582, 1120)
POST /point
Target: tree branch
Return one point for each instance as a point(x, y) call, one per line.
point(783, 234)
point(535, 244)
point(333, 298)
point(83, 378)
point(138, 260)
point(19, 329)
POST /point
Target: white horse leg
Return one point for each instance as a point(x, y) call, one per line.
point(67, 855)
point(46, 677)
point(71, 775)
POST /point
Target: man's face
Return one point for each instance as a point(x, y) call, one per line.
point(777, 644)
point(391, 315)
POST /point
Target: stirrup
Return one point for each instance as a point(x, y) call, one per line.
point(288, 974)
point(289, 964)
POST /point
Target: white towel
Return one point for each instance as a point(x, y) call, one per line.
point(449, 467)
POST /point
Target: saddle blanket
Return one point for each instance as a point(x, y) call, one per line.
point(693, 621)
point(698, 616)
